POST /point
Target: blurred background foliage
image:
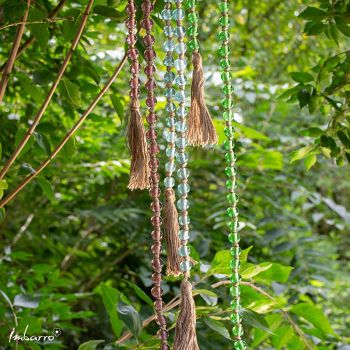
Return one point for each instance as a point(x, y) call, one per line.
point(75, 243)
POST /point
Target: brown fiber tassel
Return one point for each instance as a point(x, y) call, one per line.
point(139, 170)
point(185, 331)
point(171, 230)
point(201, 130)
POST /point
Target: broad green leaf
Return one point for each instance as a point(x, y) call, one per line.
point(260, 335)
point(253, 319)
point(301, 77)
point(110, 12)
point(314, 315)
point(90, 345)
point(208, 296)
point(3, 185)
point(43, 142)
point(140, 293)
point(310, 161)
point(69, 148)
point(301, 153)
point(262, 306)
point(130, 317)
point(282, 336)
point(118, 106)
point(26, 169)
point(312, 132)
point(218, 327)
point(70, 91)
point(40, 31)
point(2, 214)
point(32, 90)
point(313, 13)
point(276, 272)
point(46, 187)
point(250, 132)
point(303, 97)
point(250, 270)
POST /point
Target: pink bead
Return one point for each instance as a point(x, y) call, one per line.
point(158, 304)
point(131, 39)
point(150, 54)
point(156, 248)
point(156, 207)
point(133, 54)
point(164, 347)
point(134, 93)
point(156, 235)
point(131, 8)
point(154, 163)
point(134, 82)
point(163, 334)
point(148, 40)
point(155, 177)
point(135, 68)
point(151, 134)
point(147, 7)
point(154, 192)
point(147, 23)
point(150, 69)
point(156, 278)
point(157, 265)
point(153, 148)
point(151, 101)
point(151, 84)
point(157, 292)
point(156, 220)
point(151, 119)
point(130, 23)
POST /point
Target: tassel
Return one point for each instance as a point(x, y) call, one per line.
point(136, 136)
point(201, 130)
point(171, 230)
point(185, 331)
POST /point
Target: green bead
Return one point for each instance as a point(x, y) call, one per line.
point(235, 278)
point(233, 226)
point(235, 251)
point(234, 237)
point(191, 3)
point(237, 331)
point(224, 21)
point(227, 89)
point(229, 131)
point(193, 17)
point(228, 145)
point(232, 212)
point(193, 44)
point(228, 116)
point(230, 157)
point(235, 264)
point(226, 76)
point(225, 63)
point(235, 291)
point(224, 51)
point(229, 184)
point(227, 103)
point(223, 6)
point(235, 318)
point(240, 345)
point(224, 36)
point(235, 304)
point(230, 171)
point(193, 30)
point(232, 198)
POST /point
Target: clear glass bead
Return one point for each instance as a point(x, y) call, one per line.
point(185, 266)
point(170, 122)
point(178, 14)
point(183, 173)
point(184, 220)
point(180, 64)
point(168, 31)
point(168, 61)
point(169, 182)
point(184, 235)
point(169, 45)
point(180, 32)
point(170, 107)
point(183, 204)
point(181, 48)
point(169, 77)
point(170, 167)
point(181, 142)
point(169, 93)
point(183, 188)
point(181, 80)
point(181, 112)
point(170, 152)
point(181, 127)
point(184, 251)
point(182, 158)
point(171, 137)
point(166, 14)
point(180, 96)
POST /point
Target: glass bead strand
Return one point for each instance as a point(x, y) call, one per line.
point(230, 171)
point(181, 142)
point(193, 30)
point(150, 69)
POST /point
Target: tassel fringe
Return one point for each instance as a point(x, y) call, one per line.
point(136, 136)
point(201, 130)
point(171, 230)
point(185, 331)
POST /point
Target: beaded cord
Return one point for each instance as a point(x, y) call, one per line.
point(170, 134)
point(193, 30)
point(232, 211)
point(150, 69)
point(181, 141)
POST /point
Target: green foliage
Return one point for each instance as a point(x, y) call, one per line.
point(75, 251)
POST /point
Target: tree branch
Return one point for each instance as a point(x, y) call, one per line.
point(71, 132)
point(11, 60)
point(48, 98)
point(47, 20)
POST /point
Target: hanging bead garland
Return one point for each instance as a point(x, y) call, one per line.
point(150, 55)
point(230, 171)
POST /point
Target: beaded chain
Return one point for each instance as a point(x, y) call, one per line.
point(133, 53)
point(181, 141)
point(150, 69)
point(170, 134)
point(230, 171)
point(193, 30)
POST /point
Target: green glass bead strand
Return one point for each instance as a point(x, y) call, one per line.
point(230, 171)
point(193, 30)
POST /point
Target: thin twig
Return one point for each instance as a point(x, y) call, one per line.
point(47, 20)
point(30, 40)
point(48, 98)
point(71, 132)
point(11, 60)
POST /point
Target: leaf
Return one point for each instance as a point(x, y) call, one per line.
point(43, 142)
point(262, 306)
point(221, 261)
point(218, 327)
point(110, 297)
point(32, 90)
point(276, 272)
point(40, 31)
point(314, 315)
point(26, 301)
point(282, 336)
point(69, 148)
point(70, 91)
point(310, 161)
point(140, 293)
point(313, 13)
point(301, 77)
point(46, 187)
point(208, 296)
point(118, 106)
point(0, 151)
point(344, 29)
point(3, 185)
point(2, 215)
point(130, 317)
point(250, 270)
point(312, 132)
point(26, 169)
point(90, 345)
point(345, 140)
point(314, 28)
point(253, 319)
point(303, 97)
point(110, 12)
point(301, 153)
